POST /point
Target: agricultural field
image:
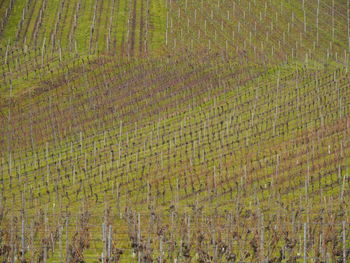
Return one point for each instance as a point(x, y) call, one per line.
point(174, 131)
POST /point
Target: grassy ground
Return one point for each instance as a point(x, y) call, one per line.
point(155, 131)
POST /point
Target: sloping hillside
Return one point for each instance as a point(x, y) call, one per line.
point(174, 131)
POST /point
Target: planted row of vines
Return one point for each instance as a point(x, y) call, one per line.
point(174, 131)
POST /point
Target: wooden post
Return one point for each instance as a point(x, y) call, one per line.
point(262, 254)
point(317, 15)
point(343, 187)
point(43, 52)
point(344, 242)
point(109, 242)
point(45, 251)
point(67, 244)
point(104, 237)
point(333, 26)
point(161, 249)
point(138, 237)
point(23, 240)
point(81, 142)
point(304, 16)
point(32, 241)
point(60, 243)
point(305, 242)
point(188, 229)
point(12, 241)
point(348, 16)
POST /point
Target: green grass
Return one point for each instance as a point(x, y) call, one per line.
point(220, 151)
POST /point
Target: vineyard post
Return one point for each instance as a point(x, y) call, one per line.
point(6, 52)
point(67, 243)
point(343, 186)
point(305, 242)
point(188, 229)
point(109, 241)
point(43, 52)
point(172, 226)
point(214, 181)
point(317, 15)
point(45, 235)
point(161, 249)
point(108, 38)
point(348, 18)
point(344, 241)
point(9, 127)
point(32, 241)
point(92, 27)
point(104, 239)
point(262, 256)
point(215, 246)
point(12, 255)
point(177, 194)
point(60, 51)
point(45, 252)
point(22, 238)
point(333, 26)
point(81, 142)
point(304, 11)
point(60, 243)
point(307, 191)
point(75, 48)
point(138, 238)
point(118, 201)
point(322, 254)
point(10, 166)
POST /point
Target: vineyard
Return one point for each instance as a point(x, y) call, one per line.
point(174, 131)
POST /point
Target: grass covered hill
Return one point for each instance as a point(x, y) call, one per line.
point(174, 131)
